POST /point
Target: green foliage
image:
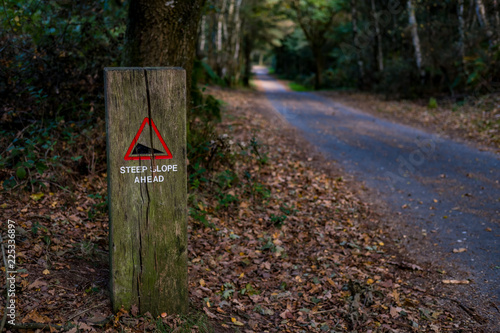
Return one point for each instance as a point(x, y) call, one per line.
point(255, 145)
point(293, 57)
point(226, 179)
point(445, 71)
point(398, 80)
point(249, 290)
point(220, 188)
point(288, 210)
point(51, 151)
point(277, 220)
point(203, 73)
point(432, 103)
point(37, 226)
point(51, 85)
point(269, 245)
point(202, 142)
point(259, 190)
point(228, 290)
point(298, 87)
point(200, 217)
point(99, 207)
point(52, 49)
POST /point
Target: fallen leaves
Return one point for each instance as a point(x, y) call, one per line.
point(37, 196)
point(318, 268)
point(236, 322)
point(323, 266)
point(394, 311)
point(456, 281)
point(460, 250)
point(37, 284)
point(61, 268)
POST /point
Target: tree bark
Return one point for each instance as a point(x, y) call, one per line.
point(380, 54)
point(356, 41)
point(314, 31)
point(416, 41)
point(237, 30)
point(483, 21)
point(162, 33)
point(203, 37)
point(461, 34)
point(247, 52)
point(497, 15)
point(220, 33)
point(318, 57)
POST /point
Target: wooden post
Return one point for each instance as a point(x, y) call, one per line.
point(147, 188)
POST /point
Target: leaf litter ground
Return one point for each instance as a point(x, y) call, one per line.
point(281, 245)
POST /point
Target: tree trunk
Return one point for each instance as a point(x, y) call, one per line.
point(247, 52)
point(483, 21)
point(203, 38)
point(162, 34)
point(237, 30)
point(416, 41)
point(461, 33)
point(471, 19)
point(356, 41)
point(380, 54)
point(229, 44)
point(220, 33)
point(211, 51)
point(318, 57)
point(497, 15)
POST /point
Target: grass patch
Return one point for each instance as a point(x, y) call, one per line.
point(299, 87)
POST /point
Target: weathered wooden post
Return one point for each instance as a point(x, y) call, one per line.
point(147, 189)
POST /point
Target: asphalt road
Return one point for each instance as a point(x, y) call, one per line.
point(450, 189)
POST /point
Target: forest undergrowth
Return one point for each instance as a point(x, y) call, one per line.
point(275, 244)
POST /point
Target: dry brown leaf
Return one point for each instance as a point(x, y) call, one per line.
point(456, 281)
point(37, 284)
point(209, 314)
point(395, 311)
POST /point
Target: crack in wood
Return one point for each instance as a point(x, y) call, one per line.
point(152, 160)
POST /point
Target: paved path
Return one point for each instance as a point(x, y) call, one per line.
point(449, 189)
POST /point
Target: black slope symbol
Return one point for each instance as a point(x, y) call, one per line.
point(141, 149)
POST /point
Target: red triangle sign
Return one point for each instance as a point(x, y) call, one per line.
point(142, 152)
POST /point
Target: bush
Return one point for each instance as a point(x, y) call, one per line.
point(432, 103)
point(53, 56)
point(400, 79)
point(51, 85)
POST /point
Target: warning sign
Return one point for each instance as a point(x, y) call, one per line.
point(144, 143)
